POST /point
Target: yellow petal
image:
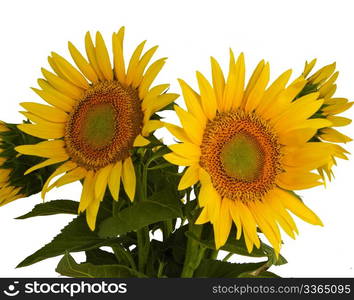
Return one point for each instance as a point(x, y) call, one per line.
point(339, 121)
point(283, 100)
point(316, 123)
point(293, 204)
point(218, 80)
point(233, 92)
point(55, 101)
point(222, 225)
point(207, 96)
point(235, 214)
point(322, 74)
point(38, 120)
point(50, 149)
point(128, 178)
point(332, 135)
point(87, 194)
point(118, 58)
point(203, 217)
point(114, 180)
point(298, 180)
point(145, 59)
point(334, 109)
point(150, 76)
point(151, 96)
point(55, 68)
point(297, 137)
point(140, 141)
point(209, 197)
point(277, 206)
point(162, 101)
point(54, 97)
point(190, 177)
point(133, 63)
point(179, 160)
point(65, 167)
point(91, 213)
point(102, 57)
point(273, 91)
point(46, 112)
point(69, 72)
point(308, 67)
point(257, 91)
point(82, 63)
point(178, 132)
point(187, 150)
point(63, 85)
point(193, 128)
point(265, 227)
point(69, 177)
point(298, 111)
point(48, 162)
point(212, 201)
point(310, 155)
point(248, 223)
point(192, 100)
point(91, 55)
point(151, 126)
point(54, 131)
point(102, 180)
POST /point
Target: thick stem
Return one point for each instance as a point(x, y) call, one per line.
point(194, 252)
point(143, 238)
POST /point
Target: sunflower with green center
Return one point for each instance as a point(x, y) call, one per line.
point(97, 113)
point(249, 147)
point(323, 81)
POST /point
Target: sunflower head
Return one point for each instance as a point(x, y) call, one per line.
point(324, 82)
point(13, 185)
point(250, 145)
point(96, 113)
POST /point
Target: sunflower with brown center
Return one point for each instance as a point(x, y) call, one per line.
point(249, 148)
point(96, 115)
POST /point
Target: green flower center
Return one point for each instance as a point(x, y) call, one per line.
point(99, 126)
point(241, 153)
point(242, 157)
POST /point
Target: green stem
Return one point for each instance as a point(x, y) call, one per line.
point(214, 254)
point(160, 270)
point(143, 238)
point(227, 257)
point(194, 252)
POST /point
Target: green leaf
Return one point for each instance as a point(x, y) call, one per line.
point(100, 257)
point(277, 261)
point(69, 267)
point(232, 245)
point(238, 246)
point(161, 206)
point(220, 269)
point(52, 208)
point(76, 236)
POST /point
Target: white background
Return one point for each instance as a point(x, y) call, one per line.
point(286, 33)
